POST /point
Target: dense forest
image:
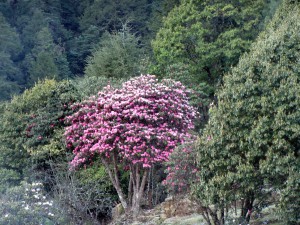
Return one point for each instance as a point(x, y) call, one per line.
point(85, 129)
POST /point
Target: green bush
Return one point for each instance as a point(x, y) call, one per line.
point(250, 146)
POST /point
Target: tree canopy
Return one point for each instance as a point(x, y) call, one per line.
point(117, 56)
point(208, 37)
point(251, 144)
point(137, 125)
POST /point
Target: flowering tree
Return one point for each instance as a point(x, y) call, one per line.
point(138, 125)
point(181, 168)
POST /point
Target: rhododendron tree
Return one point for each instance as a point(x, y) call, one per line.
point(137, 125)
point(181, 168)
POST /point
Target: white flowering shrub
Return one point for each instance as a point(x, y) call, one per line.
point(26, 204)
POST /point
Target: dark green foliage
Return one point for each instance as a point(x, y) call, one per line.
point(29, 26)
point(10, 48)
point(208, 37)
point(250, 147)
point(70, 13)
point(40, 36)
point(72, 28)
point(10, 42)
point(99, 17)
point(30, 125)
point(111, 15)
point(7, 88)
point(48, 60)
point(81, 47)
point(159, 10)
point(13, 157)
point(118, 56)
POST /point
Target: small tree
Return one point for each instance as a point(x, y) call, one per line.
point(181, 169)
point(137, 126)
point(32, 130)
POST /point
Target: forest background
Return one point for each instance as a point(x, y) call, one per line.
point(55, 54)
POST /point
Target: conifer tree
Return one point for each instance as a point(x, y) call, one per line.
point(117, 56)
point(10, 48)
point(48, 59)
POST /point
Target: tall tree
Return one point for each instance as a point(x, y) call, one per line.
point(103, 16)
point(208, 37)
point(118, 56)
point(159, 10)
point(48, 59)
point(111, 15)
point(251, 144)
point(10, 48)
point(32, 19)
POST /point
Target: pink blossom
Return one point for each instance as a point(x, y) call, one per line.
point(143, 121)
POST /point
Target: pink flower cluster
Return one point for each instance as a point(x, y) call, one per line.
point(142, 122)
point(181, 168)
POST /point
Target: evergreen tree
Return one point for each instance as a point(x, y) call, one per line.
point(48, 59)
point(159, 10)
point(9, 74)
point(103, 16)
point(29, 25)
point(31, 123)
point(70, 14)
point(8, 88)
point(208, 37)
point(250, 147)
point(10, 42)
point(118, 56)
point(10, 48)
point(36, 20)
point(81, 47)
point(110, 15)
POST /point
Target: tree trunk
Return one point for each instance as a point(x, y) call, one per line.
point(222, 216)
point(205, 214)
point(138, 189)
point(130, 189)
point(247, 207)
point(136, 185)
point(115, 181)
point(214, 215)
point(136, 203)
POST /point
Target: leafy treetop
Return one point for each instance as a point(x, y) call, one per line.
point(208, 36)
